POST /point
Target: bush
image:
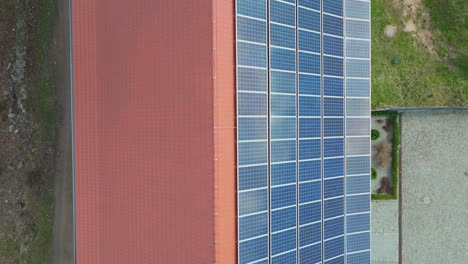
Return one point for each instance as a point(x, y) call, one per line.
point(373, 173)
point(375, 134)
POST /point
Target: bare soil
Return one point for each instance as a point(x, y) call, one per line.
point(417, 20)
point(63, 235)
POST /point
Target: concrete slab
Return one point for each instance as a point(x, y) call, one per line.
point(384, 232)
point(434, 184)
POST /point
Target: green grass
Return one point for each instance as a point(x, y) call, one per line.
point(40, 250)
point(45, 97)
point(419, 79)
point(44, 112)
point(450, 27)
point(395, 155)
point(9, 247)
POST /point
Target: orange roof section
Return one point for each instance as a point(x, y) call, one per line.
point(154, 132)
point(225, 127)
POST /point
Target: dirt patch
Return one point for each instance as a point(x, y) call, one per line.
point(416, 20)
point(63, 236)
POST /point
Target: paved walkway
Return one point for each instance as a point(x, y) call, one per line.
point(384, 232)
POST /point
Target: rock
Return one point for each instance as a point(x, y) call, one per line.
point(11, 115)
point(8, 66)
point(16, 131)
point(6, 93)
point(427, 200)
point(23, 94)
point(20, 165)
point(390, 31)
point(11, 128)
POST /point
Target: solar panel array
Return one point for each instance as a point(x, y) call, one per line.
point(303, 112)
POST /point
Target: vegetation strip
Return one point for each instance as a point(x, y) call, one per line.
point(394, 115)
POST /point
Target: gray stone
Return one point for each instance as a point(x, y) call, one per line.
point(11, 115)
point(390, 31)
point(11, 128)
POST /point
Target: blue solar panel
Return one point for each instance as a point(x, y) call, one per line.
point(283, 241)
point(311, 254)
point(332, 45)
point(282, 36)
point(310, 234)
point(333, 227)
point(310, 170)
point(253, 226)
point(309, 84)
point(309, 106)
point(333, 247)
point(253, 250)
point(283, 219)
point(288, 258)
point(303, 131)
point(334, 7)
point(283, 173)
point(253, 177)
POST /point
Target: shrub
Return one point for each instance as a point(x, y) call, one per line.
point(375, 134)
point(383, 155)
point(373, 173)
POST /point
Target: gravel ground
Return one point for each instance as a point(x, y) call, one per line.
point(434, 183)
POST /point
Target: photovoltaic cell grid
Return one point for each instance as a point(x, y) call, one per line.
point(303, 96)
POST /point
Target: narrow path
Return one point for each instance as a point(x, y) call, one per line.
point(63, 237)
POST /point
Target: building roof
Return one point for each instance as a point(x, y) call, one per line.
point(143, 131)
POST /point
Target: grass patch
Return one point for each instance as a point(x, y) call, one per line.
point(44, 112)
point(419, 78)
point(9, 247)
point(40, 250)
point(450, 27)
point(45, 92)
point(395, 155)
